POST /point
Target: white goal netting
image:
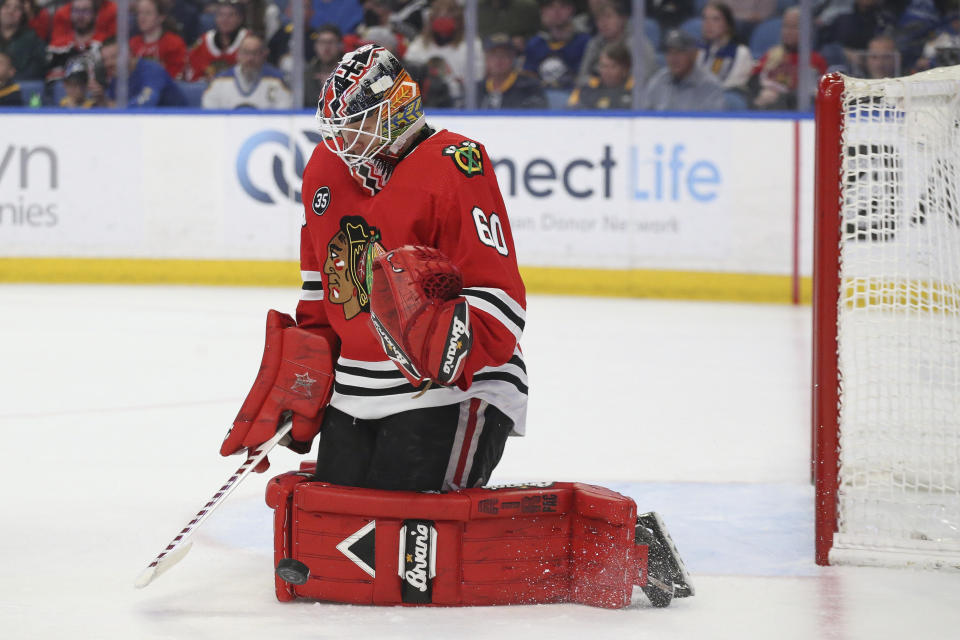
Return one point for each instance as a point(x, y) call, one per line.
point(899, 322)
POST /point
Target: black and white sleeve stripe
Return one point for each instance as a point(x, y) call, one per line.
point(372, 390)
point(312, 285)
point(498, 304)
point(514, 372)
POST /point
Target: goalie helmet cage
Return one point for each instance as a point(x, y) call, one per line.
point(886, 344)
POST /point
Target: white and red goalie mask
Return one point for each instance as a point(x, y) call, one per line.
point(368, 112)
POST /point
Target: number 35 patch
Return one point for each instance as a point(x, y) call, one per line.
point(321, 200)
point(490, 230)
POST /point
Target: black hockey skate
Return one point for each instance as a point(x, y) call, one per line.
point(667, 576)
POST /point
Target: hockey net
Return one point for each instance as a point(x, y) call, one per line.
point(887, 321)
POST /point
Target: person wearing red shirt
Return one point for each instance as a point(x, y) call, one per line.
point(155, 41)
point(216, 49)
point(104, 23)
point(773, 82)
point(78, 27)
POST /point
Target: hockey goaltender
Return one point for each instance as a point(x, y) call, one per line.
point(405, 356)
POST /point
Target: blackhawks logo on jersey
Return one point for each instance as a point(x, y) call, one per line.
point(345, 265)
point(466, 158)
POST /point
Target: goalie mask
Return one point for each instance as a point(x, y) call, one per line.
point(368, 113)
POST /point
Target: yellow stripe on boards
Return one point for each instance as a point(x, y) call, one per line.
point(629, 283)
point(649, 283)
point(144, 271)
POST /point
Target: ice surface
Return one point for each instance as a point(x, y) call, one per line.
point(114, 400)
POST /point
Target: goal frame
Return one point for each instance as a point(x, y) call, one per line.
point(887, 157)
point(826, 298)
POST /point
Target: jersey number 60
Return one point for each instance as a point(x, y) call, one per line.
point(490, 231)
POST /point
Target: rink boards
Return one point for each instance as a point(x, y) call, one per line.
point(688, 207)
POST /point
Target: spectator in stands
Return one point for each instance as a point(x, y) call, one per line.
point(149, 84)
point(216, 49)
point(682, 85)
point(556, 52)
point(519, 19)
point(377, 21)
point(88, 24)
point(327, 50)
point(670, 14)
point(853, 31)
point(27, 53)
point(104, 21)
point(251, 83)
point(437, 84)
point(75, 81)
point(882, 58)
point(346, 14)
point(721, 54)
point(773, 84)
point(278, 46)
point(442, 38)
point(505, 86)
point(612, 87)
point(613, 25)
point(915, 26)
point(9, 88)
point(944, 48)
point(752, 11)
point(157, 39)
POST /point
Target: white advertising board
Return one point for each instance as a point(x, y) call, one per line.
point(52, 196)
point(692, 194)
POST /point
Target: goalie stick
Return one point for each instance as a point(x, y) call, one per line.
point(178, 547)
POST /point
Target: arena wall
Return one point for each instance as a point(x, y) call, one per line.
point(682, 207)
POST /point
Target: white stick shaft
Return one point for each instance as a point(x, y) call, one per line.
point(169, 556)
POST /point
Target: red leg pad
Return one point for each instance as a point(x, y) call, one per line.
point(566, 542)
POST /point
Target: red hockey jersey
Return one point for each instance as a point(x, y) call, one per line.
point(206, 59)
point(444, 194)
point(170, 51)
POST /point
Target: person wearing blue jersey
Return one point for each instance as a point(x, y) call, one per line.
point(555, 53)
point(149, 84)
point(504, 86)
point(251, 83)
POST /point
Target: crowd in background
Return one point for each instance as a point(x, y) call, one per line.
point(696, 55)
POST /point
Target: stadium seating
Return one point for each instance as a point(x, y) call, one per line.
point(693, 26)
point(56, 93)
point(734, 101)
point(557, 99)
point(193, 91)
point(765, 35)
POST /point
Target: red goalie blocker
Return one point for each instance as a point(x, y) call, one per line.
point(564, 542)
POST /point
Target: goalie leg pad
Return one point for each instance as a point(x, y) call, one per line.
point(560, 542)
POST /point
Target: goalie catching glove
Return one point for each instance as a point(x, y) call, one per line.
point(419, 315)
point(295, 380)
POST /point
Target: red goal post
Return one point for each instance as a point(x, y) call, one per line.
point(886, 323)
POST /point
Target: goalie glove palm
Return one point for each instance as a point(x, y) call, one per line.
point(417, 312)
